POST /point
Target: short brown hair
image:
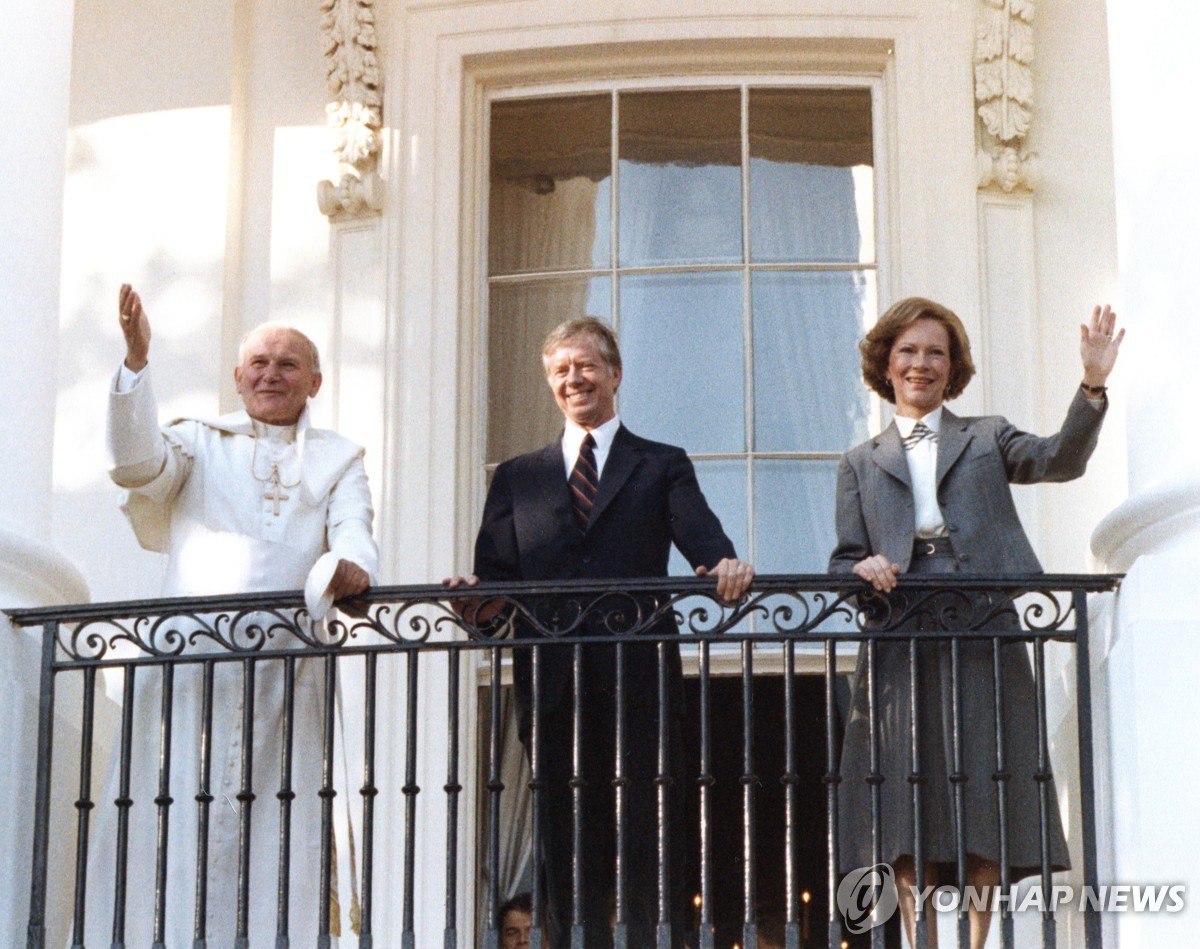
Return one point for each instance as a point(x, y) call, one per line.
point(591, 327)
point(521, 903)
point(876, 346)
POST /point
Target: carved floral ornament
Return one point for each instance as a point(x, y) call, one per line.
point(1004, 94)
point(355, 111)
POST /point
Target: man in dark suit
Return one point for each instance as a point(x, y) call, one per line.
point(600, 502)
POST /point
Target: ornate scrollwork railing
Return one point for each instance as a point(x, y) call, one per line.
point(802, 608)
point(825, 615)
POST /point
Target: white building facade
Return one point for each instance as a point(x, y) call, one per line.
point(341, 165)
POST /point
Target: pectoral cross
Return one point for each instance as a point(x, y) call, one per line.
point(275, 491)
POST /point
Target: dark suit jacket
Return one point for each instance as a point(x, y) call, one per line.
point(648, 499)
point(977, 460)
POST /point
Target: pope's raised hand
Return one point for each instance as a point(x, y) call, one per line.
point(135, 325)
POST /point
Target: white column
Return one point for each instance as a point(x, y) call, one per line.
point(1147, 659)
point(1156, 139)
point(35, 60)
point(35, 79)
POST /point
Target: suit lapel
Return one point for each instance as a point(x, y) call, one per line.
point(953, 439)
point(623, 457)
point(551, 486)
point(889, 454)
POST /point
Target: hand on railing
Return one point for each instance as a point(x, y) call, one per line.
point(733, 578)
point(477, 612)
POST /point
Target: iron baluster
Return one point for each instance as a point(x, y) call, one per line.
point(204, 801)
point(916, 778)
point(123, 803)
point(327, 793)
point(163, 802)
point(1044, 778)
point(706, 782)
point(285, 796)
point(369, 792)
point(453, 789)
point(1093, 935)
point(1001, 778)
point(749, 779)
point(84, 805)
point(832, 779)
point(411, 790)
point(41, 805)
point(495, 787)
point(245, 799)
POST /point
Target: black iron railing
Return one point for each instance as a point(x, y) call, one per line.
point(815, 618)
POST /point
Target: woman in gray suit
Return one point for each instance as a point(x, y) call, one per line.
point(930, 495)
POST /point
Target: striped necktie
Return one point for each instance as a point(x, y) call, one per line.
point(920, 432)
point(585, 482)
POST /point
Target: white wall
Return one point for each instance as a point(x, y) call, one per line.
point(1148, 665)
point(196, 142)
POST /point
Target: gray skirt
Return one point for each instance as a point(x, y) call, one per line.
point(981, 823)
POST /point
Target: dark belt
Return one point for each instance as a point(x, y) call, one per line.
point(932, 547)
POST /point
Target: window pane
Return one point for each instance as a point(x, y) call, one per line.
point(811, 176)
point(680, 171)
point(522, 414)
point(551, 169)
point(793, 515)
point(681, 342)
point(724, 485)
point(808, 389)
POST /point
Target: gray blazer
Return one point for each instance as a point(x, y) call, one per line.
point(977, 460)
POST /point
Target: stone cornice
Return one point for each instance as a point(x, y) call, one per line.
point(355, 110)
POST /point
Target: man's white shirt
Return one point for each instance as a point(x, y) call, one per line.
point(572, 441)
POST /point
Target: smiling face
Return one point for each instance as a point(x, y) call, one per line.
point(276, 376)
point(919, 367)
point(584, 385)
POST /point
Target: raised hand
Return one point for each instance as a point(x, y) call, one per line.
point(136, 327)
point(1098, 346)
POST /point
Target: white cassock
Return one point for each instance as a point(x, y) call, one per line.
point(238, 507)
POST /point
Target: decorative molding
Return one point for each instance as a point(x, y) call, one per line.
point(34, 573)
point(1162, 516)
point(1007, 169)
point(355, 111)
point(1004, 94)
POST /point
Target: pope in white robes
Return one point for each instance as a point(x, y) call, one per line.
point(253, 501)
